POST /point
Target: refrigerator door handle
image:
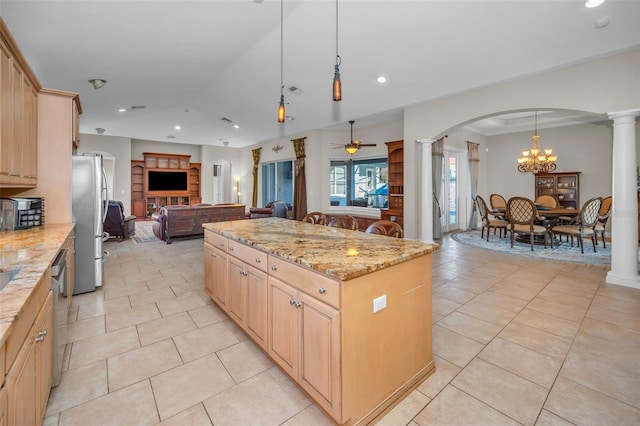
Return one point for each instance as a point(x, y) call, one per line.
point(104, 194)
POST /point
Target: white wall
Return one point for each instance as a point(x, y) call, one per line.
point(120, 148)
point(585, 148)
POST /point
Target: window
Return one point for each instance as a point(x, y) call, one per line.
point(361, 183)
point(277, 182)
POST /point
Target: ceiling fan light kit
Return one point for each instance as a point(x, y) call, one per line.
point(354, 145)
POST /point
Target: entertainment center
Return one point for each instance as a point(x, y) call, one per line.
point(163, 180)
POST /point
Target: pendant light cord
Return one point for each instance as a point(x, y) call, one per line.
point(338, 59)
point(282, 47)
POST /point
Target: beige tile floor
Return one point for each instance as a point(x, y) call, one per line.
point(516, 341)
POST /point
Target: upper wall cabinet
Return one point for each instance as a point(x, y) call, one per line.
point(18, 116)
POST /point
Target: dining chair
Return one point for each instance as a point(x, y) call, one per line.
point(385, 227)
point(548, 201)
point(585, 226)
point(315, 217)
point(344, 222)
point(522, 214)
point(498, 206)
point(488, 221)
point(603, 218)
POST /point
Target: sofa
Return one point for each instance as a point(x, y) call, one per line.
point(181, 221)
point(271, 209)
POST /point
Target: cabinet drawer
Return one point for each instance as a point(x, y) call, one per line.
point(249, 255)
point(216, 240)
point(318, 286)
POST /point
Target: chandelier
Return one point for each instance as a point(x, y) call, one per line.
point(537, 160)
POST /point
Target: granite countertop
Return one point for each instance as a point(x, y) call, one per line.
point(32, 250)
point(338, 253)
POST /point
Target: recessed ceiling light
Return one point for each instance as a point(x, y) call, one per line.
point(235, 126)
point(382, 79)
point(593, 3)
point(122, 110)
point(177, 127)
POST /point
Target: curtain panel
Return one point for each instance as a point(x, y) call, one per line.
point(256, 162)
point(474, 162)
point(300, 184)
point(437, 152)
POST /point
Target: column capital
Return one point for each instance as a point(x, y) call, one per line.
point(627, 113)
point(426, 141)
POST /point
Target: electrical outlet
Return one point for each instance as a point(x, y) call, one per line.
point(379, 303)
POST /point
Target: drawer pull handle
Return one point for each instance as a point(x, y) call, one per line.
point(257, 260)
point(322, 290)
point(298, 304)
point(292, 302)
point(274, 268)
point(39, 339)
point(42, 333)
point(213, 254)
point(231, 248)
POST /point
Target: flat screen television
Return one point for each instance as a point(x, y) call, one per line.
point(168, 181)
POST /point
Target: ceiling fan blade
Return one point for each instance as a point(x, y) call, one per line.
point(367, 144)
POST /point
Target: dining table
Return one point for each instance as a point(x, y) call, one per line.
point(547, 216)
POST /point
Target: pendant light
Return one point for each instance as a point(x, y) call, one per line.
point(337, 85)
point(281, 111)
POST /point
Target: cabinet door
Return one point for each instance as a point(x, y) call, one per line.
point(21, 385)
point(44, 355)
point(6, 117)
point(4, 421)
point(30, 137)
point(216, 275)
point(257, 305)
point(320, 352)
point(283, 338)
point(237, 291)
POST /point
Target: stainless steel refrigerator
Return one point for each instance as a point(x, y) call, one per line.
point(89, 191)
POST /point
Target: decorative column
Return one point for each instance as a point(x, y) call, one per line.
point(624, 210)
point(426, 192)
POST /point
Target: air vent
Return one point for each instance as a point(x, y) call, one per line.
point(225, 119)
point(295, 90)
point(138, 107)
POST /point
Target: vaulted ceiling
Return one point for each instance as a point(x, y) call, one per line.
point(193, 63)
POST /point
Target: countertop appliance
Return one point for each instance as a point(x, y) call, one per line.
point(21, 213)
point(89, 197)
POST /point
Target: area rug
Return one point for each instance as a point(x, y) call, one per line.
point(144, 233)
point(562, 253)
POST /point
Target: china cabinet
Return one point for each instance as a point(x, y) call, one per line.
point(565, 186)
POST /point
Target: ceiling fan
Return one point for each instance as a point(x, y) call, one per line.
point(353, 146)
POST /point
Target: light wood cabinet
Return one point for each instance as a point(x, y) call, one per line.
point(29, 380)
point(30, 135)
point(4, 421)
point(18, 117)
point(305, 342)
point(247, 290)
point(215, 271)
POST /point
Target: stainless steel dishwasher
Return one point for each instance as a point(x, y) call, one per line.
point(60, 312)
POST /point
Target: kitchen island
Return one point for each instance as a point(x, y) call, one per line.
point(347, 315)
